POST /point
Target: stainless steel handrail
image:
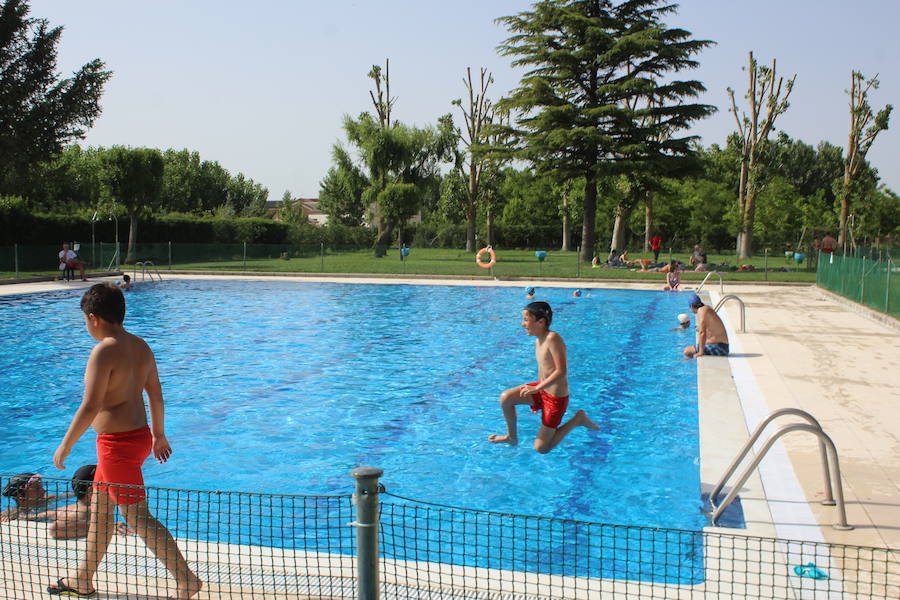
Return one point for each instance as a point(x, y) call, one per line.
point(743, 309)
point(145, 270)
point(708, 275)
point(825, 444)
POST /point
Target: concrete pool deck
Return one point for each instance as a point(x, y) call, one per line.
point(804, 349)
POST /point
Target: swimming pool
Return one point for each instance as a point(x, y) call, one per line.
point(284, 387)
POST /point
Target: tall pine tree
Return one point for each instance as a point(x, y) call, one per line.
point(578, 108)
point(39, 113)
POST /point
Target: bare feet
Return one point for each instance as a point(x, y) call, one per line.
point(581, 418)
point(503, 439)
point(188, 589)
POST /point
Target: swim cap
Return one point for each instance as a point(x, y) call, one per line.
point(529, 291)
point(683, 318)
point(694, 301)
point(577, 292)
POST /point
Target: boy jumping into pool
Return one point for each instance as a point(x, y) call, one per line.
point(550, 394)
point(120, 368)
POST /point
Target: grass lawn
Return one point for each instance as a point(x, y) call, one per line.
point(441, 261)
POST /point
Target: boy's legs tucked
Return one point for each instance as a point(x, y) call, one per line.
point(163, 546)
point(509, 399)
point(548, 437)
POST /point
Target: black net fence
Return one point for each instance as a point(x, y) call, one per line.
point(248, 545)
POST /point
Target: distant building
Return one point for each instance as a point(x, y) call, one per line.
point(309, 206)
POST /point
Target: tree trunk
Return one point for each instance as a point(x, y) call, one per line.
point(648, 221)
point(132, 239)
point(745, 249)
point(384, 241)
point(589, 226)
point(845, 210)
point(566, 223)
point(470, 227)
point(742, 204)
point(618, 237)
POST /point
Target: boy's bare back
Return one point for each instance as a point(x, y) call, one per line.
point(120, 367)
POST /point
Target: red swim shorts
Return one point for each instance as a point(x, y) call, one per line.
point(552, 407)
point(119, 459)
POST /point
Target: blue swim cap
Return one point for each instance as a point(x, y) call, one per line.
point(694, 301)
point(529, 291)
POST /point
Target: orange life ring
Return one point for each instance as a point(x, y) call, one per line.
point(490, 263)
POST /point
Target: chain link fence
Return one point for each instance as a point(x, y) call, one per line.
point(870, 280)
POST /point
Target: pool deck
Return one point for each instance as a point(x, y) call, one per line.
point(804, 348)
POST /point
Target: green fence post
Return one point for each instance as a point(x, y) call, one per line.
point(366, 500)
point(244, 263)
point(766, 265)
point(862, 282)
point(16, 258)
point(887, 288)
point(578, 262)
point(321, 257)
point(170, 255)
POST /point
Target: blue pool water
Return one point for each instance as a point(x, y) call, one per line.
point(284, 387)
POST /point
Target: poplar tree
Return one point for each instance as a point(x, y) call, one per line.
point(39, 112)
point(865, 125)
point(589, 61)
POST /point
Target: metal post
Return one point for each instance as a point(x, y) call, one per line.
point(16, 260)
point(578, 262)
point(170, 255)
point(862, 281)
point(766, 265)
point(322, 257)
point(245, 257)
point(887, 288)
point(366, 500)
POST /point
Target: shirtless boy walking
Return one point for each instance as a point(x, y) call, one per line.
point(550, 394)
point(121, 367)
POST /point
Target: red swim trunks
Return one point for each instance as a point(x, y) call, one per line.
point(119, 459)
point(552, 407)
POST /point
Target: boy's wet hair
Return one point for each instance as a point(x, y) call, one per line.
point(540, 310)
point(106, 301)
point(16, 484)
point(126, 277)
point(82, 480)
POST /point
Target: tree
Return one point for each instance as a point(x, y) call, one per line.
point(133, 178)
point(340, 193)
point(589, 61)
point(766, 104)
point(477, 114)
point(864, 127)
point(39, 113)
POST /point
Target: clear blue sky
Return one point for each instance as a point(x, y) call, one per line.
point(261, 87)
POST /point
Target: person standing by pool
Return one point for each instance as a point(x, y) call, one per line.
point(712, 339)
point(121, 366)
point(828, 244)
point(550, 394)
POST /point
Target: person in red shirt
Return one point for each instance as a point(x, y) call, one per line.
point(655, 245)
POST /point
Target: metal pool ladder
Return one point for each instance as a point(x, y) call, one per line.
point(708, 275)
point(146, 271)
point(743, 309)
point(826, 447)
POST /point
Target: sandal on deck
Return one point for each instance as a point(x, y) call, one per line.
point(61, 589)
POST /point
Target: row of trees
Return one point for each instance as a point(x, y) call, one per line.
point(601, 110)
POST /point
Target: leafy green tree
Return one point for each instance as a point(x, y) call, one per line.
point(589, 61)
point(865, 125)
point(39, 112)
point(341, 192)
point(133, 178)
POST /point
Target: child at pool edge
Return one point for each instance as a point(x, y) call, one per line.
point(550, 394)
point(120, 368)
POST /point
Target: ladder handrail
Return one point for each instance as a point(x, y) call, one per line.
point(145, 271)
point(836, 472)
point(708, 275)
point(743, 309)
point(829, 497)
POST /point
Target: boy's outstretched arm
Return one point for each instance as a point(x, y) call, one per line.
point(96, 381)
point(161, 449)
